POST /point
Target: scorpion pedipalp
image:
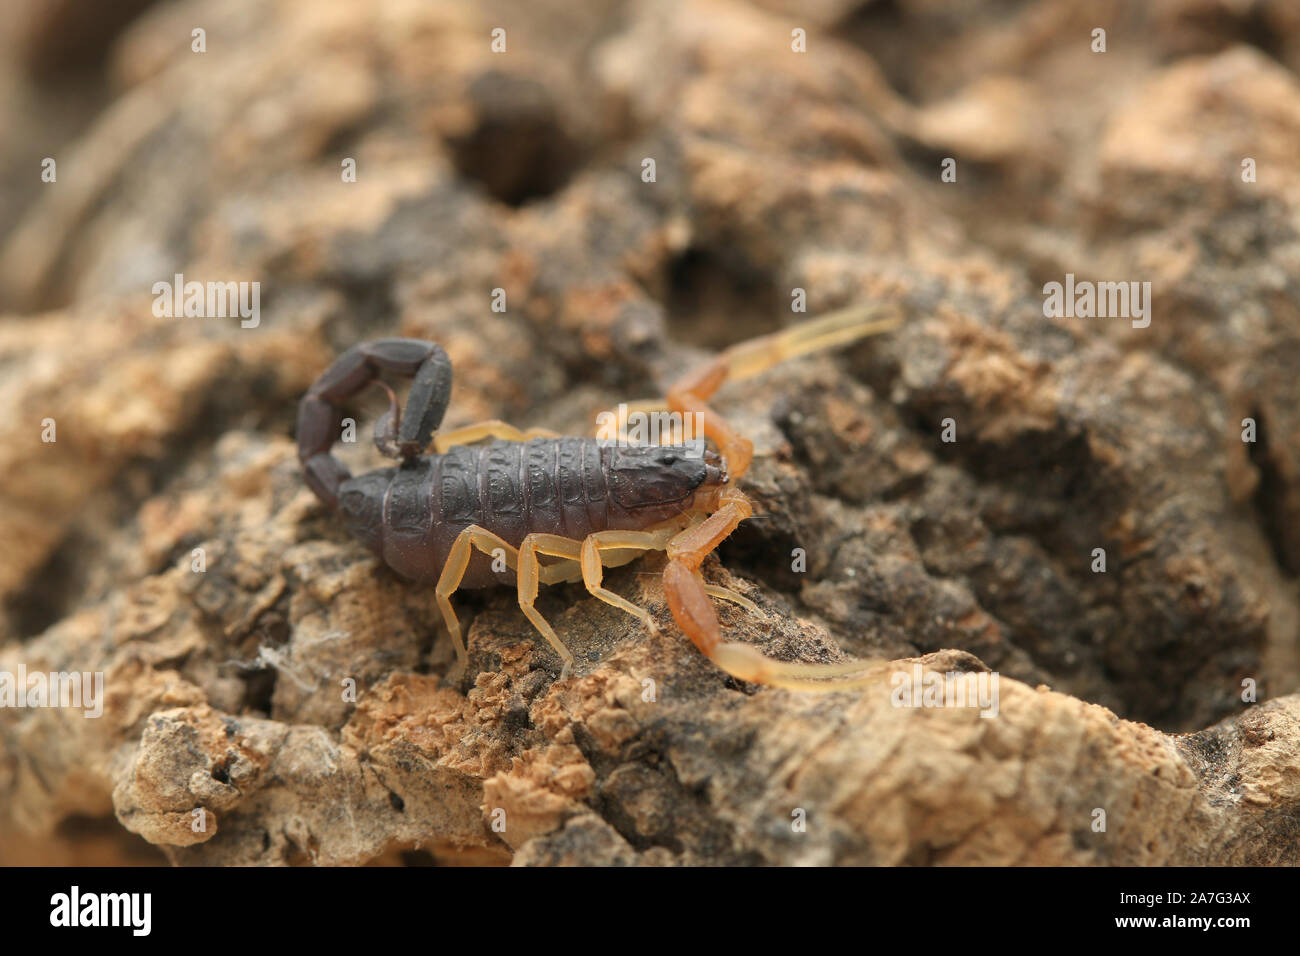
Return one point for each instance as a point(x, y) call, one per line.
point(590, 503)
point(684, 587)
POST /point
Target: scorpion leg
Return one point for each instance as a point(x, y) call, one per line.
point(528, 576)
point(454, 571)
point(495, 428)
point(593, 570)
point(727, 594)
point(561, 572)
point(688, 600)
point(597, 550)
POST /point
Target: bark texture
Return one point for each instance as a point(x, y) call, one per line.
point(1121, 692)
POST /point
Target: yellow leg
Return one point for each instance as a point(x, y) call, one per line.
point(453, 572)
point(727, 595)
point(561, 572)
point(528, 575)
point(489, 429)
point(618, 541)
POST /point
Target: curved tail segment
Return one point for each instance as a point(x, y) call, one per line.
point(320, 413)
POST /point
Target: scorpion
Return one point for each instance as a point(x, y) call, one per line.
point(585, 504)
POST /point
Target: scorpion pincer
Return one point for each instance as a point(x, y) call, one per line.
point(583, 503)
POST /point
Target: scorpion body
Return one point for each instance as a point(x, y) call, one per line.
point(476, 513)
point(410, 516)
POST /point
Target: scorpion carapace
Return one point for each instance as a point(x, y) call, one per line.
point(475, 513)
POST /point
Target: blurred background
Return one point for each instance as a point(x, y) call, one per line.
point(643, 182)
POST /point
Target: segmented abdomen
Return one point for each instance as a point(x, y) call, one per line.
point(551, 485)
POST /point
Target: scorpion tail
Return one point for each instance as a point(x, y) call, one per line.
point(320, 413)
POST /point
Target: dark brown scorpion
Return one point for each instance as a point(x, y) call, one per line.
point(588, 502)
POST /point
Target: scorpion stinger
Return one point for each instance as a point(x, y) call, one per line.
point(477, 513)
point(320, 414)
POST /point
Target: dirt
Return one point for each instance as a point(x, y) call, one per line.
point(949, 485)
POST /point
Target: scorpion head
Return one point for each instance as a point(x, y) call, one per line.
point(666, 477)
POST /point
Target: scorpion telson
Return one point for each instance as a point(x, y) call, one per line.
point(588, 504)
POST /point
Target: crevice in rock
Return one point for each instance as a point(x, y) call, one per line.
point(518, 149)
point(1269, 500)
point(53, 588)
point(71, 39)
point(713, 302)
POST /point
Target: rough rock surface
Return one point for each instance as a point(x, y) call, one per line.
point(1121, 693)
